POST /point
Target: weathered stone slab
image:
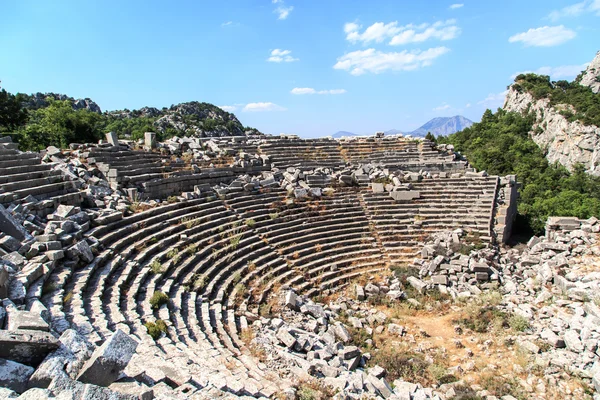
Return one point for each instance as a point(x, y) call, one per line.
point(68, 359)
point(25, 320)
point(109, 360)
point(405, 195)
point(418, 284)
point(286, 337)
point(360, 293)
point(9, 243)
point(149, 140)
point(65, 211)
point(14, 375)
point(377, 187)
point(10, 226)
point(112, 138)
point(83, 251)
point(291, 300)
point(27, 347)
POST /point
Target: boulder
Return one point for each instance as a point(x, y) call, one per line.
point(107, 362)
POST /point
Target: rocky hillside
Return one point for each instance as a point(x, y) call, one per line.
point(184, 119)
point(442, 126)
point(41, 100)
point(567, 116)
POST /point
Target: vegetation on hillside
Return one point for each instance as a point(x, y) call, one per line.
point(500, 144)
point(36, 123)
point(586, 104)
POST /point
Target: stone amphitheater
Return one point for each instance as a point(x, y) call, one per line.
point(221, 268)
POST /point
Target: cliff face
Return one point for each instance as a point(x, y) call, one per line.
point(569, 143)
point(591, 75)
point(565, 140)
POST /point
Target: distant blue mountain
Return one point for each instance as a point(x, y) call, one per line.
point(442, 126)
point(340, 134)
point(438, 126)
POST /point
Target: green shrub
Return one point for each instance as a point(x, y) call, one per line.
point(158, 299)
point(483, 319)
point(518, 323)
point(156, 267)
point(156, 329)
point(407, 366)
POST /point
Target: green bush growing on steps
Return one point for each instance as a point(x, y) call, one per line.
point(158, 299)
point(156, 329)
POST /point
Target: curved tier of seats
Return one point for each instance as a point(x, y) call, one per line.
point(466, 203)
point(24, 174)
point(217, 259)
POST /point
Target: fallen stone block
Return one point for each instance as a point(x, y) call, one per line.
point(9, 243)
point(10, 226)
point(342, 333)
point(553, 338)
point(14, 375)
point(109, 360)
point(68, 359)
point(418, 284)
point(360, 293)
point(25, 320)
point(314, 310)
point(286, 337)
point(349, 352)
point(291, 300)
point(383, 388)
point(25, 346)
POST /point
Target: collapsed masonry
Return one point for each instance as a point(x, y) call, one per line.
point(91, 234)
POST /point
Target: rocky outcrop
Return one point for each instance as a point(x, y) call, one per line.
point(191, 118)
point(591, 75)
point(568, 143)
point(40, 100)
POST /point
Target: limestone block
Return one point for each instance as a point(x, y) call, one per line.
point(109, 360)
point(149, 140)
point(112, 138)
point(405, 195)
point(25, 320)
point(26, 346)
point(14, 375)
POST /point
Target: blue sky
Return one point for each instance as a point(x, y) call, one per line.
point(295, 66)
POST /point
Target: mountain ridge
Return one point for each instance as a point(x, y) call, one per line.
point(437, 126)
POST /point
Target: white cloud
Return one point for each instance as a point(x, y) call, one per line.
point(544, 36)
point(279, 55)
point(455, 6)
point(228, 108)
point(267, 106)
point(468, 105)
point(371, 60)
point(563, 71)
point(577, 9)
point(440, 31)
point(227, 23)
point(399, 35)
point(313, 91)
point(282, 11)
point(494, 100)
point(442, 107)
